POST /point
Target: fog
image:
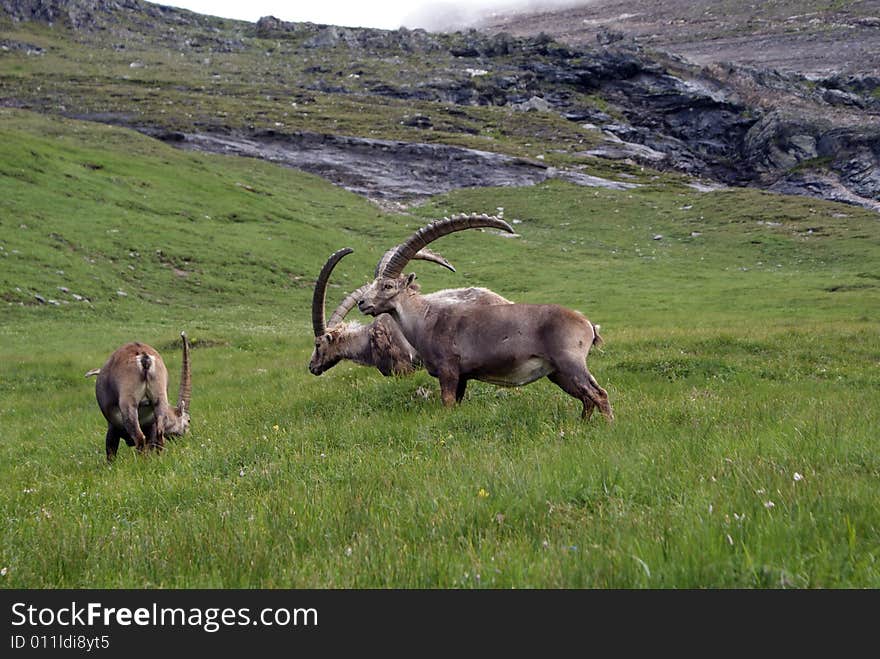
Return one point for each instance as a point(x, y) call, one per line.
point(444, 16)
point(434, 15)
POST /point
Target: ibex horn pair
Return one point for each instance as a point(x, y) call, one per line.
point(319, 324)
point(394, 261)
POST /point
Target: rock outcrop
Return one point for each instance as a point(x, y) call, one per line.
point(385, 169)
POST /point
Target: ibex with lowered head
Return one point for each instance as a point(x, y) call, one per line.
point(132, 392)
point(507, 345)
point(381, 343)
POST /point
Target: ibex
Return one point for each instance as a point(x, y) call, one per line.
point(381, 343)
point(132, 392)
point(507, 345)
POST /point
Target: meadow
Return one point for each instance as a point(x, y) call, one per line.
point(742, 358)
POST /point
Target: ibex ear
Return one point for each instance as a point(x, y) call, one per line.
point(410, 279)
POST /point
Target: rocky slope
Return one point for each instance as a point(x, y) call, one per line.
point(811, 37)
point(600, 108)
point(811, 70)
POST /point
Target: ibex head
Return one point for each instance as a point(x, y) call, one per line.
point(380, 295)
point(326, 355)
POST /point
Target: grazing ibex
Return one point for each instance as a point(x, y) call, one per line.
point(381, 343)
point(507, 345)
point(132, 392)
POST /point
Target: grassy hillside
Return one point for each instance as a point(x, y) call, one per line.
point(194, 73)
point(741, 358)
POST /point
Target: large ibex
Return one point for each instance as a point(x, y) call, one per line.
point(507, 345)
point(132, 392)
point(381, 343)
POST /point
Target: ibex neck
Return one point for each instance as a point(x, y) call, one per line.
point(356, 345)
point(412, 311)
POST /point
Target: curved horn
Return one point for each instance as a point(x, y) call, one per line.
point(185, 378)
point(347, 305)
point(423, 254)
point(352, 298)
point(406, 251)
point(320, 293)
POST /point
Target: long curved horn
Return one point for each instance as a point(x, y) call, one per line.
point(185, 378)
point(352, 298)
point(320, 293)
point(423, 254)
point(406, 251)
point(347, 305)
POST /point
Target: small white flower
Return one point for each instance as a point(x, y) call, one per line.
point(769, 504)
point(3, 571)
point(241, 473)
point(798, 477)
point(710, 508)
point(323, 455)
point(348, 551)
point(760, 491)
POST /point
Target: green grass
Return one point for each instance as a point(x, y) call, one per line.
point(741, 349)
